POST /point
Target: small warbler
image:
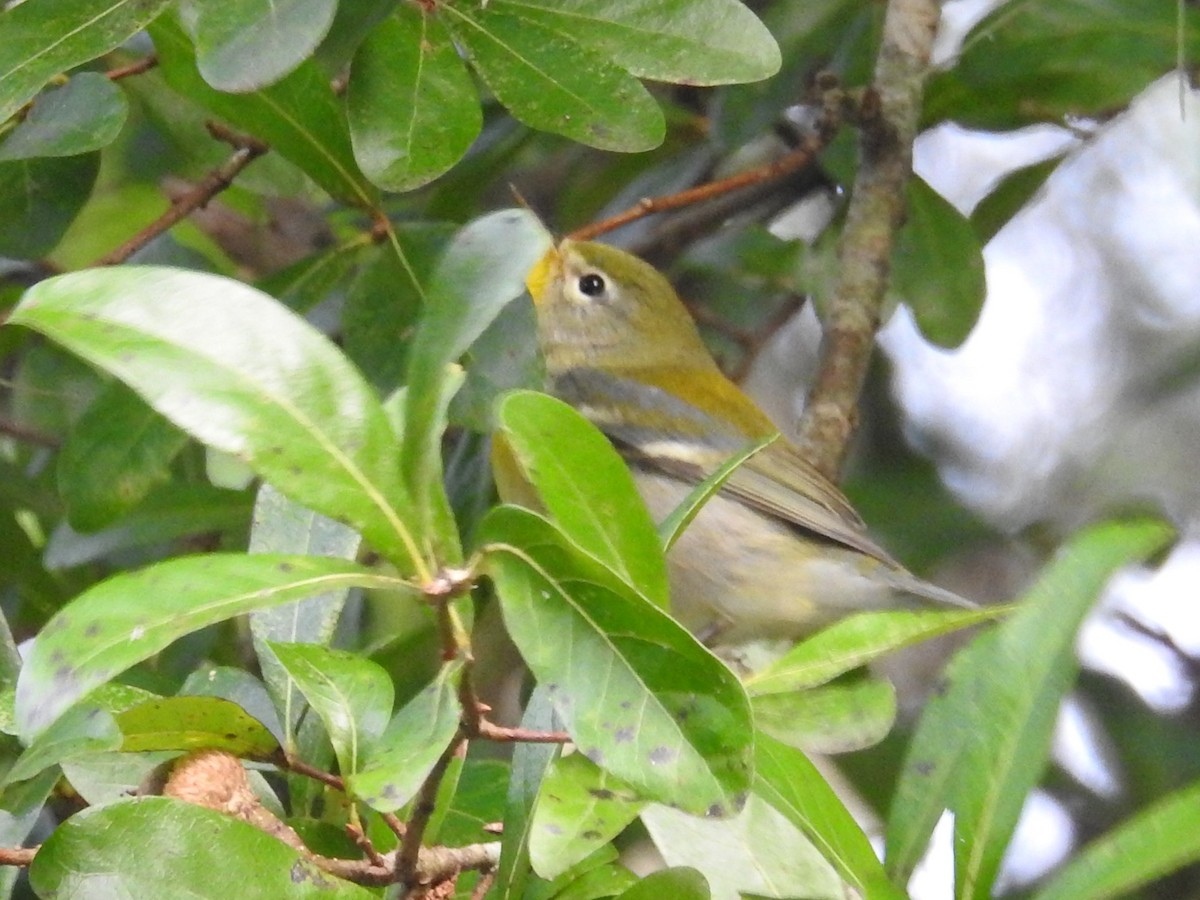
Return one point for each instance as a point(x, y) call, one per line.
point(779, 551)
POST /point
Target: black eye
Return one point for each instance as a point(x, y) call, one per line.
point(591, 285)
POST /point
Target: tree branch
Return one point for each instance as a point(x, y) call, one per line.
point(890, 115)
point(246, 150)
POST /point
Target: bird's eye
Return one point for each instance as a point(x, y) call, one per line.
point(591, 285)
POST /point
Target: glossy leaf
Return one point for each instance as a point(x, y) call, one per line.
point(171, 511)
point(151, 846)
point(352, 695)
point(758, 853)
point(481, 271)
point(585, 488)
point(1153, 843)
point(1046, 60)
point(282, 526)
point(192, 345)
point(85, 729)
point(194, 723)
point(132, 616)
point(39, 199)
point(850, 714)
point(250, 44)
point(531, 763)
point(698, 42)
point(299, 116)
point(412, 106)
point(982, 743)
point(83, 115)
point(791, 784)
point(680, 883)
point(667, 717)
point(580, 808)
point(857, 640)
point(418, 735)
point(43, 39)
point(937, 266)
point(550, 82)
point(118, 450)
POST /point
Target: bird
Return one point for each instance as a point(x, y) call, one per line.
point(778, 552)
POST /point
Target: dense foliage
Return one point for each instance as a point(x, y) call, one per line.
point(247, 504)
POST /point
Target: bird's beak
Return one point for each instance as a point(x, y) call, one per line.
point(542, 275)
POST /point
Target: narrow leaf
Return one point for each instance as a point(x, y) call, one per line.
point(982, 744)
point(585, 487)
point(85, 729)
point(194, 723)
point(132, 616)
point(792, 785)
point(667, 717)
point(83, 115)
point(680, 883)
point(851, 714)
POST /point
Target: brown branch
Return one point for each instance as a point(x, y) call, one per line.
point(26, 434)
point(423, 807)
point(300, 767)
point(804, 155)
point(876, 210)
point(503, 734)
point(246, 150)
point(17, 856)
point(145, 64)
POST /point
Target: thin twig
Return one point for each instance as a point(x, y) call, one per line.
point(808, 150)
point(247, 149)
point(17, 856)
point(891, 112)
point(145, 64)
point(300, 767)
point(26, 434)
point(484, 885)
point(503, 734)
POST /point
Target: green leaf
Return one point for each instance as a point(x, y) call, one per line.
point(352, 695)
point(118, 450)
point(171, 511)
point(1009, 197)
point(585, 487)
point(132, 616)
point(937, 266)
point(250, 44)
point(161, 847)
point(1049, 60)
point(851, 714)
point(579, 809)
point(1153, 843)
point(667, 716)
point(410, 747)
point(982, 743)
point(531, 763)
point(481, 271)
point(43, 39)
point(792, 785)
point(83, 730)
point(83, 115)
point(192, 345)
point(550, 82)
point(299, 116)
point(195, 723)
point(701, 42)
point(413, 107)
point(857, 640)
point(758, 852)
point(681, 517)
point(681, 883)
point(281, 526)
point(39, 198)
